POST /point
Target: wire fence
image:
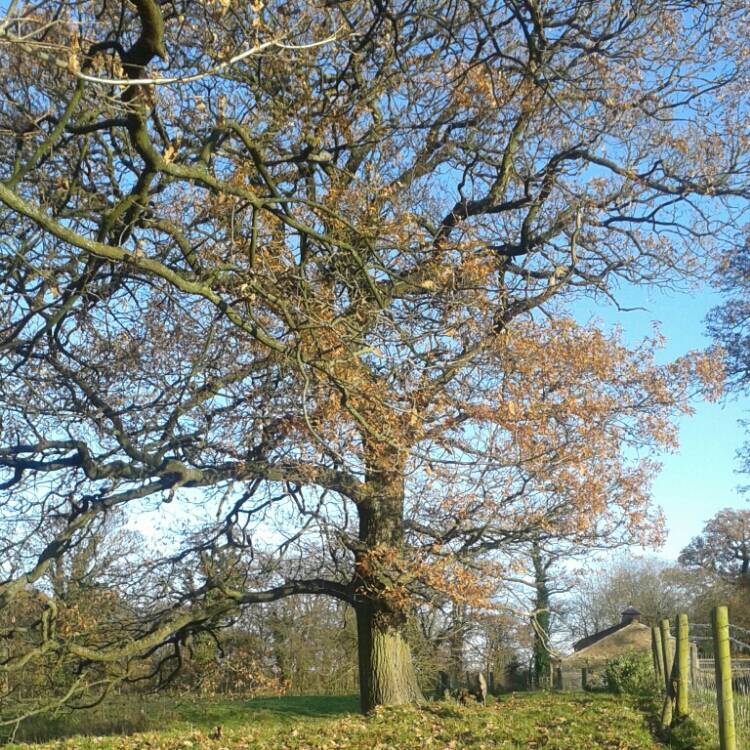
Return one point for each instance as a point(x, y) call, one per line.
point(704, 695)
point(703, 672)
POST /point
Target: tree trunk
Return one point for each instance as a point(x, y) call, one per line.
point(279, 638)
point(386, 672)
point(541, 618)
point(456, 645)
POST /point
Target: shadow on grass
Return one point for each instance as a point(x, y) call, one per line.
point(125, 716)
point(117, 719)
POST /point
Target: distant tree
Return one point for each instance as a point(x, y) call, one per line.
point(298, 645)
point(656, 588)
point(565, 590)
point(729, 322)
point(91, 594)
point(451, 639)
point(723, 548)
point(296, 273)
point(459, 627)
point(707, 591)
point(541, 618)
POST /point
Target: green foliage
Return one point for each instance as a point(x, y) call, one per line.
point(631, 674)
point(559, 720)
point(688, 734)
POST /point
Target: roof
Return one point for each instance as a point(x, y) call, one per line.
point(628, 615)
point(591, 639)
point(632, 637)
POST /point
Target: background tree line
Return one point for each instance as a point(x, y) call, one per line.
point(308, 645)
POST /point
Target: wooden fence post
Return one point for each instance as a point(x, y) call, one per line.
point(723, 666)
point(668, 663)
point(658, 656)
point(683, 665)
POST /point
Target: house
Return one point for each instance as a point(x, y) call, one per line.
point(594, 652)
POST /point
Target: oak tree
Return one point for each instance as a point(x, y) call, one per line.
point(290, 277)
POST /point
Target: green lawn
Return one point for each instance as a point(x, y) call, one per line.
point(532, 721)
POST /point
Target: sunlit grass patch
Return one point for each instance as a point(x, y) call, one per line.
point(553, 721)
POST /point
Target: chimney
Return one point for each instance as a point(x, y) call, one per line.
point(631, 614)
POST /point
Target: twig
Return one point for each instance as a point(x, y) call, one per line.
point(211, 71)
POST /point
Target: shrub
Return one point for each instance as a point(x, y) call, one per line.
point(631, 674)
point(687, 734)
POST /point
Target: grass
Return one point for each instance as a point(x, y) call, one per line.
point(528, 721)
point(178, 714)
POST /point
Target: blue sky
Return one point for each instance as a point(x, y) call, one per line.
point(701, 477)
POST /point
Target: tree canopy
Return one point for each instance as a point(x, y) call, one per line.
point(723, 548)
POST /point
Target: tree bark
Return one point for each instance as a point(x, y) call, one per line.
point(386, 671)
point(456, 645)
point(541, 618)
